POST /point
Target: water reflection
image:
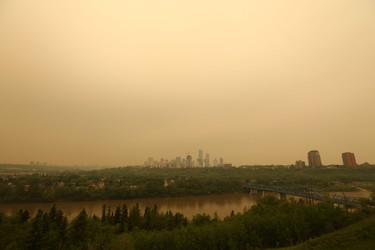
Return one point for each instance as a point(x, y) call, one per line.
point(222, 205)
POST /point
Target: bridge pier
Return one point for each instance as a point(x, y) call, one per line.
point(282, 196)
point(260, 192)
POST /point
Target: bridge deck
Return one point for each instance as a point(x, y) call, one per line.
point(308, 193)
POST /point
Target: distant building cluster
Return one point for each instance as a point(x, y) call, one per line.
point(37, 163)
point(314, 160)
point(202, 160)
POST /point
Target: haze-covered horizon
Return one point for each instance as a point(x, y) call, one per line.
point(256, 82)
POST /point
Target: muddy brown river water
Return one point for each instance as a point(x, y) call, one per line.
point(222, 204)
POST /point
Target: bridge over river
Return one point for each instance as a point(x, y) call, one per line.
point(310, 194)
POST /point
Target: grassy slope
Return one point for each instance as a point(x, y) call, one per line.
point(357, 236)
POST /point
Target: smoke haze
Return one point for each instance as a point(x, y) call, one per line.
point(257, 82)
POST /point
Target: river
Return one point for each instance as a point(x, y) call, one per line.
point(221, 204)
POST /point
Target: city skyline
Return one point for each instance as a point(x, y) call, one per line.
point(259, 82)
point(187, 161)
point(313, 159)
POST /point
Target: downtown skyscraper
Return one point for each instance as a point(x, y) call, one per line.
point(200, 158)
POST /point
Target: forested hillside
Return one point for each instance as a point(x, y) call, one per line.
point(132, 182)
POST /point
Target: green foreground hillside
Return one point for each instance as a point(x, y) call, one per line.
point(358, 236)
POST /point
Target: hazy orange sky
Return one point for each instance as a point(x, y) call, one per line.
point(254, 81)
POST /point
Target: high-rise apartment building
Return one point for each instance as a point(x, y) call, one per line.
point(207, 160)
point(150, 162)
point(221, 162)
point(200, 158)
point(349, 159)
point(178, 162)
point(215, 163)
point(189, 161)
point(300, 164)
point(314, 158)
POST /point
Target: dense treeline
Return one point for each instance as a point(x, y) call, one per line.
point(271, 223)
point(131, 182)
point(51, 230)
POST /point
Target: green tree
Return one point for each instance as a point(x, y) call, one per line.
point(78, 232)
point(134, 217)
